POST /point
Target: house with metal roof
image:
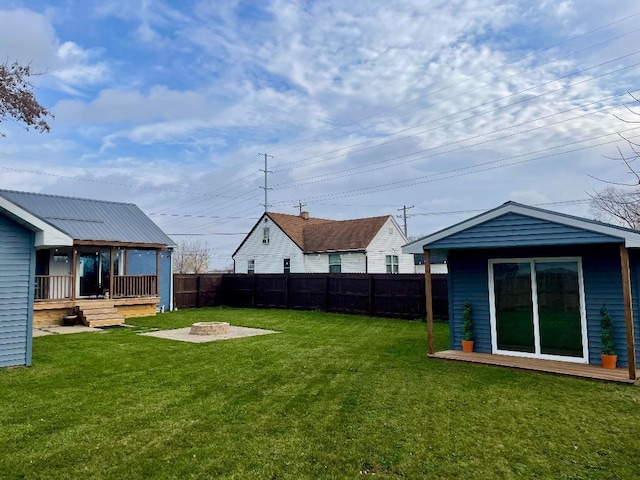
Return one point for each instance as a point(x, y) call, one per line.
point(103, 261)
point(281, 243)
point(536, 281)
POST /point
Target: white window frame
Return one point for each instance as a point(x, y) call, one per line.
point(265, 235)
point(536, 320)
point(251, 263)
point(334, 264)
point(392, 267)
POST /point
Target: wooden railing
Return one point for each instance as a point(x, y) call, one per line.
point(53, 287)
point(135, 286)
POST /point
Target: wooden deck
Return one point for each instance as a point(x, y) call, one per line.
point(595, 372)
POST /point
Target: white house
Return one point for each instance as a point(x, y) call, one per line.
point(281, 243)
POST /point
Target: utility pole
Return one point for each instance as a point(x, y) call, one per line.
point(404, 216)
point(266, 182)
point(300, 205)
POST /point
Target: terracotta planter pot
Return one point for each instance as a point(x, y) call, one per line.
point(467, 346)
point(609, 361)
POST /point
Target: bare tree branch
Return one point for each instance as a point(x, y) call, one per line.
point(17, 101)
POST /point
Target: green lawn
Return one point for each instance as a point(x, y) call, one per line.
point(332, 396)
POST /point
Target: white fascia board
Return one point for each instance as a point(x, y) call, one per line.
point(631, 239)
point(46, 235)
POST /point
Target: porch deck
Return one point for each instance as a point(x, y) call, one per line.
point(595, 372)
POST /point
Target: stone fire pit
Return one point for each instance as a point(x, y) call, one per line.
point(209, 328)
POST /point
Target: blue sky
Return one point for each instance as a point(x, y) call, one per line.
point(449, 106)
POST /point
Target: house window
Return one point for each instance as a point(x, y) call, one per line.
point(287, 265)
point(335, 263)
point(251, 266)
point(265, 235)
point(537, 308)
point(392, 264)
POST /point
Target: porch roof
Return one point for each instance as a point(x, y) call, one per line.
point(90, 220)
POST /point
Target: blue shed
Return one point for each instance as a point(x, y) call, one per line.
point(20, 234)
point(536, 281)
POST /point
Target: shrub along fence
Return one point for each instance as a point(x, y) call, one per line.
point(383, 295)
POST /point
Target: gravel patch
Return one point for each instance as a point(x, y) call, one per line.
point(183, 335)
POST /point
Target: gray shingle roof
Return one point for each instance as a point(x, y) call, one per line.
point(85, 219)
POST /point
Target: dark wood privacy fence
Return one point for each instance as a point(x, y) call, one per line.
point(399, 296)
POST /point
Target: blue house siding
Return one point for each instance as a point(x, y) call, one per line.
point(468, 279)
point(17, 267)
point(514, 230)
point(143, 262)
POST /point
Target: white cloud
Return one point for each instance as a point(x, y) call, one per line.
point(30, 38)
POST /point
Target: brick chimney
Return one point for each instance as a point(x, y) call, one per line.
point(304, 215)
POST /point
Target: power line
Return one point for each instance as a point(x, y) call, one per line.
point(501, 67)
point(340, 174)
point(457, 172)
point(484, 104)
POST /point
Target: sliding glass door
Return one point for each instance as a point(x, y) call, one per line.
point(537, 308)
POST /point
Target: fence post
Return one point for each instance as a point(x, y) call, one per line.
point(198, 292)
point(371, 292)
point(326, 293)
point(253, 292)
point(286, 291)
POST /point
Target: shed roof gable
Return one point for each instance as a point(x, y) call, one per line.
point(514, 225)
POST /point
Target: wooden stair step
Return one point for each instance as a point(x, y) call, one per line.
point(105, 323)
point(100, 311)
point(103, 316)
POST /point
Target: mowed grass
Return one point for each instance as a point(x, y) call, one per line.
point(331, 396)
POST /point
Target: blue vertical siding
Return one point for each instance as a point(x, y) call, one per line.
point(468, 279)
point(17, 267)
point(603, 286)
point(143, 262)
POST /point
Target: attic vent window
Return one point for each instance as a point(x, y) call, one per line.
point(390, 231)
point(265, 236)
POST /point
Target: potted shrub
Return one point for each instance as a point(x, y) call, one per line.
point(467, 328)
point(608, 354)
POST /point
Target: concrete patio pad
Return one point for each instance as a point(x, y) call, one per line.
point(65, 330)
point(182, 334)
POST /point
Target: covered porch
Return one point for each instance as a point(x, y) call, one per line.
point(71, 280)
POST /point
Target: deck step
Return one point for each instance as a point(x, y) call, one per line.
point(100, 314)
point(99, 311)
point(105, 323)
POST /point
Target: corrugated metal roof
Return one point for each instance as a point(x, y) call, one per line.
point(85, 219)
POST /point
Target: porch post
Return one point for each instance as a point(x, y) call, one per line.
point(429, 299)
point(628, 312)
point(111, 272)
point(74, 271)
point(158, 272)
